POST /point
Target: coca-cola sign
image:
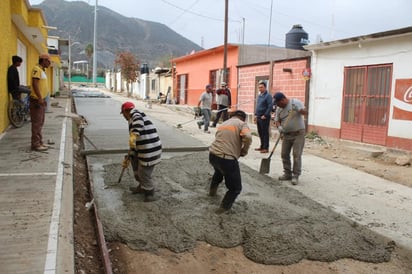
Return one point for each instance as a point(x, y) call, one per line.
point(402, 103)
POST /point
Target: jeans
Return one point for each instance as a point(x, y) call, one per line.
point(219, 113)
point(37, 121)
point(263, 131)
point(295, 141)
point(229, 170)
point(206, 117)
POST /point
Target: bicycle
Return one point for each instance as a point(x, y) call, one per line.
point(18, 110)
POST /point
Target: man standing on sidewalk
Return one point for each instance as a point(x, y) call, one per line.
point(290, 123)
point(205, 104)
point(262, 117)
point(224, 102)
point(40, 89)
point(145, 149)
point(233, 139)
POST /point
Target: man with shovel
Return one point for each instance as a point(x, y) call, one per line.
point(145, 150)
point(290, 123)
point(233, 139)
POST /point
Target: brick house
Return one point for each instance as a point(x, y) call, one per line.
point(194, 71)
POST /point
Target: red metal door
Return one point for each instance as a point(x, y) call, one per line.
point(366, 100)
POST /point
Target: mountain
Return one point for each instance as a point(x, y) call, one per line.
point(151, 42)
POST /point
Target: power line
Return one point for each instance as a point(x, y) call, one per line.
point(197, 14)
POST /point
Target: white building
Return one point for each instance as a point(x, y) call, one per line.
point(361, 89)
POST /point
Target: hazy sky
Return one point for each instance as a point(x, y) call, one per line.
point(202, 21)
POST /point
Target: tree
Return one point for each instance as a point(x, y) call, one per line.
point(129, 66)
point(89, 53)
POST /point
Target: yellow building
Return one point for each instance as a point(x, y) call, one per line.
point(24, 33)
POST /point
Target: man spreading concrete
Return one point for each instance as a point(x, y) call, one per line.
point(290, 123)
point(205, 104)
point(224, 102)
point(233, 139)
point(145, 149)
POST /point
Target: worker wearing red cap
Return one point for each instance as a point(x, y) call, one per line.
point(145, 149)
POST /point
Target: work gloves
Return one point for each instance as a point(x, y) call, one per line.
point(132, 141)
point(126, 161)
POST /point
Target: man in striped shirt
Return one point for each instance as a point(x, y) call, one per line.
point(145, 149)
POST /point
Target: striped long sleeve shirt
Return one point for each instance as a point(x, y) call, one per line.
point(148, 144)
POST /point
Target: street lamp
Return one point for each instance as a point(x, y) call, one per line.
point(94, 45)
point(70, 64)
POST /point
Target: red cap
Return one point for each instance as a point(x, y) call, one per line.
point(126, 106)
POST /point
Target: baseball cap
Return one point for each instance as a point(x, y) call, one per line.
point(223, 84)
point(126, 106)
point(208, 86)
point(44, 56)
point(278, 96)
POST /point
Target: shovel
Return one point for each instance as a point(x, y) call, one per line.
point(121, 174)
point(265, 163)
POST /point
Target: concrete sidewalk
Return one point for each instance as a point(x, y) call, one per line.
point(36, 197)
point(383, 206)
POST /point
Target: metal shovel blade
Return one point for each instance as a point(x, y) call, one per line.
point(264, 166)
point(265, 163)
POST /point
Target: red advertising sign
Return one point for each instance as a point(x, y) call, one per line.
point(402, 103)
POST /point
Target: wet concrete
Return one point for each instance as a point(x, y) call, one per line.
point(274, 224)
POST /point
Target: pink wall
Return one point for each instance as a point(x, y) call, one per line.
point(292, 83)
point(247, 85)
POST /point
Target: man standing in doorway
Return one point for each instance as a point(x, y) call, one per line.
point(262, 117)
point(13, 79)
point(205, 103)
point(290, 123)
point(224, 102)
point(40, 89)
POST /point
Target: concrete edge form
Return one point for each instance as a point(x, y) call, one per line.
point(104, 251)
point(65, 255)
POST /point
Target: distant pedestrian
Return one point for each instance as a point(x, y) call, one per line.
point(290, 123)
point(205, 104)
point(40, 89)
point(224, 102)
point(13, 79)
point(233, 139)
point(145, 149)
point(262, 117)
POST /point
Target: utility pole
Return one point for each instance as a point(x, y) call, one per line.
point(94, 45)
point(225, 42)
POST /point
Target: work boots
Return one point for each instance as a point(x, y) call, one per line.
point(285, 177)
point(149, 196)
point(213, 191)
point(136, 189)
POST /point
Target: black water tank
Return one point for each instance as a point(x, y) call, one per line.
point(144, 68)
point(296, 38)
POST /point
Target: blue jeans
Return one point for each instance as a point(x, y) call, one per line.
point(206, 117)
point(219, 113)
point(229, 170)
